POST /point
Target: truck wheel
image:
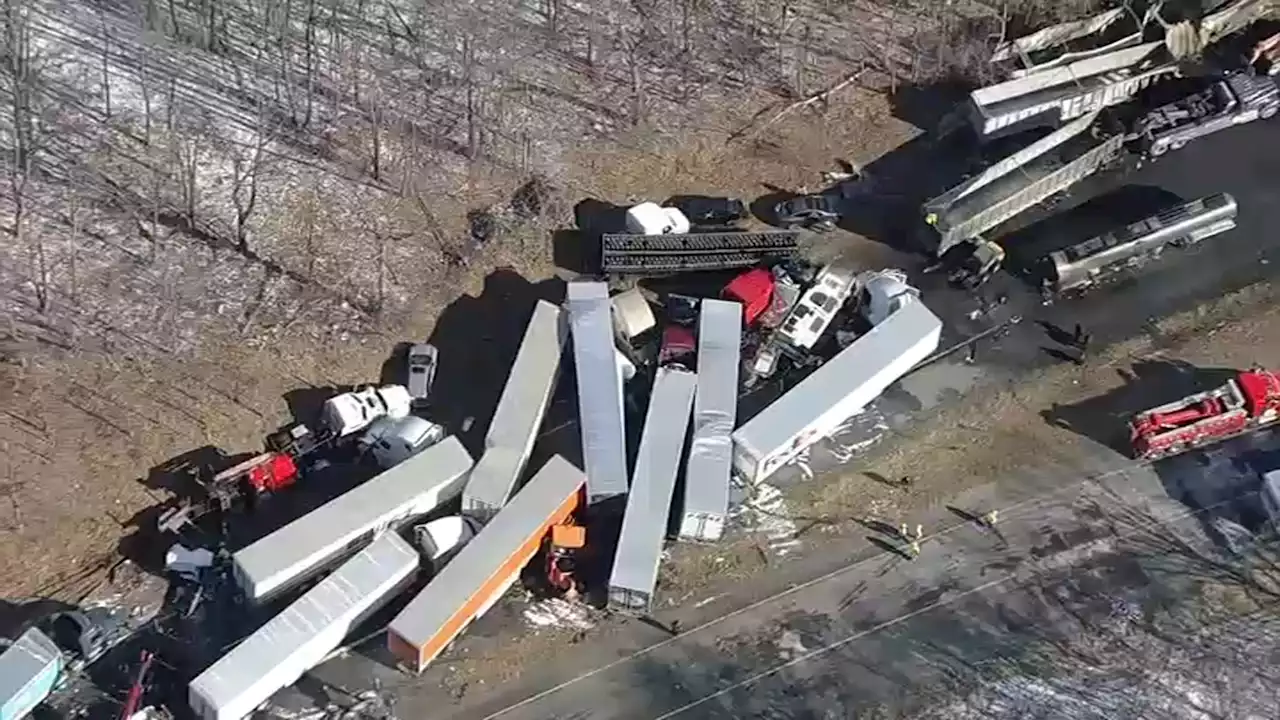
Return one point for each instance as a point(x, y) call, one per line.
point(1177, 144)
point(1158, 150)
point(1267, 112)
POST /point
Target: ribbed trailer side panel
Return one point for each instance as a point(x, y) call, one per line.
point(715, 410)
point(1054, 35)
point(520, 412)
point(299, 638)
point(600, 408)
point(478, 575)
point(29, 670)
point(639, 552)
point(838, 390)
point(314, 541)
point(994, 100)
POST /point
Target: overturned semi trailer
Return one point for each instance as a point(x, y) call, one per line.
point(837, 391)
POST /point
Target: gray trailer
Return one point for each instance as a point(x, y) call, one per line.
point(600, 403)
point(1059, 94)
point(519, 415)
point(715, 410)
point(30, 668)
point(837, 391)
point(326, 535)
point(299, 638)
point(1019, 182)
point(1084, 264)
point(639, 550)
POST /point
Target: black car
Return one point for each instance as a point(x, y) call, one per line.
point(710, 211)
point(818, 212)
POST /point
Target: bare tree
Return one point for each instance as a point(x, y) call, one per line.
point(22, 79)
point(106, 61)
point(246, 171)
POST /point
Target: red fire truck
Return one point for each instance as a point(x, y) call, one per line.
point(1247, 402)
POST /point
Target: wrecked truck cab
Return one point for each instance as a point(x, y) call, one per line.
point(352, 411)
point(391, 441)
point(441, 539)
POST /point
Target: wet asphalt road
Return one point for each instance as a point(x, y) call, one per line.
point(961, 569)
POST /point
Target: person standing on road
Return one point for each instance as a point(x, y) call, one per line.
point(990, 518)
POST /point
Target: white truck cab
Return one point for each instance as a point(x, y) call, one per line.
point(441, 539)
point(353, 411)
point(882, 293)
point(649, 218)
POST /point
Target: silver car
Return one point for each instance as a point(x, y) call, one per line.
point(422, 371)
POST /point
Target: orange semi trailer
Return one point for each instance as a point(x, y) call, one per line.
point(487, 566)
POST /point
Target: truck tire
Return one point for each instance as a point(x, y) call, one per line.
point(1267, 112)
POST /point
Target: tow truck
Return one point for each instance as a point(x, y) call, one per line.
point(1247, 402)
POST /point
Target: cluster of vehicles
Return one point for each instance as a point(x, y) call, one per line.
point(1091, 84)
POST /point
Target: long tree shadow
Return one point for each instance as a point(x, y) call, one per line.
point(478, 337)
point(1147, 383)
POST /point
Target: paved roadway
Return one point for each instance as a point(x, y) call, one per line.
point(959, 569)
point(893, 634)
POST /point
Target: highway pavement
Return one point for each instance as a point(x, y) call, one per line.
point(888, 634)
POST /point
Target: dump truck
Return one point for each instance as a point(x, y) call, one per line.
point(1247, 402)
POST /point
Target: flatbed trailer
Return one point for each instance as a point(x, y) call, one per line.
point(715, 409)
point(600, 402)
point(291, 643)
point(627, 254)
point(324, 536)
point(644, 524)
point(481, 573)
point(519, 415)
point(838, 390)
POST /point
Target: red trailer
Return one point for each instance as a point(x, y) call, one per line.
point(1245, 403)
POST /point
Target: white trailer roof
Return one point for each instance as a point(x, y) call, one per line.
point(299, 638)
point(600, 408)
point(28, 670)
point(486, 566)
point(715, 410)
point(520, 411)
point(635, 564)
point(303, 547)
point(839, 389)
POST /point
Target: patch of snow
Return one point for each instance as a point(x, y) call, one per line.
point(559, 613)
point(766, 513)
